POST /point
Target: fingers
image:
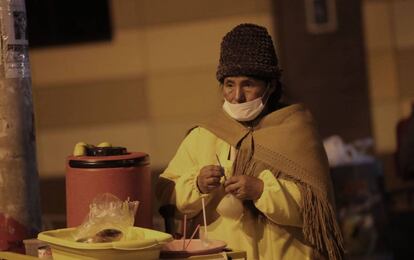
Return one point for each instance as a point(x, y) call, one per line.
point(236, 180)
point(232, 188)
point(212, 181)
point(212, 171)
point(232, 180)
point(233, 185)
point(209, 178)
point(244, 187)
point(237, 191)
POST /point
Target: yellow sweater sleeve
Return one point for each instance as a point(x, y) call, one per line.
point(178, 183)
point(280, 200)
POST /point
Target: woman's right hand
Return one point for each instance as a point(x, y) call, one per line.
point(209, 178)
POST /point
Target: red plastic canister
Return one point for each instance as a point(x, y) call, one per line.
point(108, 170)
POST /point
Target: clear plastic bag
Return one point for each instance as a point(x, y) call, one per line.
point(109, 219)
point(230, 207)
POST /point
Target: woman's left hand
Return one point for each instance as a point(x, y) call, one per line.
point(244, 187)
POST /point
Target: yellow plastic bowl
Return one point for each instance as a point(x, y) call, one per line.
point(146, 245)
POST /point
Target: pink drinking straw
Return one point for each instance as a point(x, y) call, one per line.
point(204, 217)
point(192, 236)
point(184, 230)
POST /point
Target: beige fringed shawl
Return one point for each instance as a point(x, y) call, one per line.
point(286, 142)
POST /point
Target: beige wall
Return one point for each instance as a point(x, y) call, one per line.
point(141, 90)
point(389, 39)
point(155, 78)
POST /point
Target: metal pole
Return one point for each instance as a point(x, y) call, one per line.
point(19, 190)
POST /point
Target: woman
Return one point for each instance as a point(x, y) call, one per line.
point(259, 165)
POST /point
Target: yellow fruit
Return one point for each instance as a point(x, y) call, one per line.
point(104, 144)
point(80, 149)
point(81, 143)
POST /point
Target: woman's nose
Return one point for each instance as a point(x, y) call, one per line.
point(239, 95)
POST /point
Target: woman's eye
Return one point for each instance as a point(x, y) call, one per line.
point(249, 84)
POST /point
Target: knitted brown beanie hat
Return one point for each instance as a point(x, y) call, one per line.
point(247, 50)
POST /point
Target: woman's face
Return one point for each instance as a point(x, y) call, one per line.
point(242, 89)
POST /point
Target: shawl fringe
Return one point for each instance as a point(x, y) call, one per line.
point(320, 227)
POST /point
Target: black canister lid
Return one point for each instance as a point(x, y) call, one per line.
point(108, 157)
point(105, 151)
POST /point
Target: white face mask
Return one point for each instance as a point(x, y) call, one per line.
point(244, 111)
